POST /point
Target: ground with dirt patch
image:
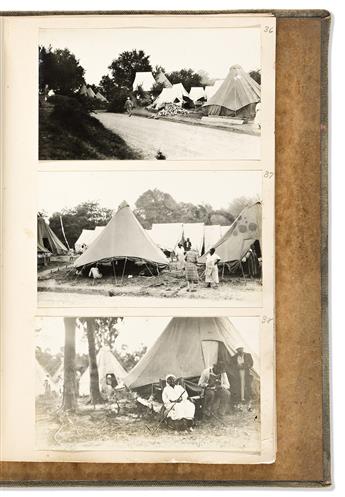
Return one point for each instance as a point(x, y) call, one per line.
point(102, 429)
point(62, 284)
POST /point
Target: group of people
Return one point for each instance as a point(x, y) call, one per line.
point(218, 393)
point(187, 260)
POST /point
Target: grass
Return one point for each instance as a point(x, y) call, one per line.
point(88, 140)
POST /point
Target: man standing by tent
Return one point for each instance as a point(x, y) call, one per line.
point(241, 377)
point(187, 245)
point(211, 272)
point(176, 403)
point(215, 383)
point(129, 106)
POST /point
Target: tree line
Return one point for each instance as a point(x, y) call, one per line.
point(153, 206)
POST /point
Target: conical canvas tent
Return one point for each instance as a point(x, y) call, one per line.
point(237, 95)
point(87, 237)
point(243, 232)
point(42, 379)
point(122, 238)
point(212, 235)
point(186, 347)
point(83, 90)
point(90, 92)
point(100, 97)
point(162, 79)
point(47, 238)
point(197, 93)
point(145, 80)
point(106, 364)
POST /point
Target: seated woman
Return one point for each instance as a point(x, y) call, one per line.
point(179, 410)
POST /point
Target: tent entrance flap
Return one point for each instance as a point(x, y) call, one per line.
point(210, 352)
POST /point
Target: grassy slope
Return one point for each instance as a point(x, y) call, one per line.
point(90, 140)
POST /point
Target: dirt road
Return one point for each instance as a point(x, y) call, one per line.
point(178, 141)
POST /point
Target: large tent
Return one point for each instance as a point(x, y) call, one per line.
point(212, 235)
point(106, 364)
point(87, 237)
point(237, 96)
point(122, 238)
point(83, 90)
point(197, 93)
point(90, 92)
point(145, 80)
point(46, 238)
point(100, 97)
point(176, 94)
point(163, 80)
point(195, 233)
point(243, 232)
point(186, 347)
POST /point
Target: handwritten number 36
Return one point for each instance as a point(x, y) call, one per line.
point(268, 29)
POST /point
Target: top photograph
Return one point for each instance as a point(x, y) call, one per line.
point(174, 94)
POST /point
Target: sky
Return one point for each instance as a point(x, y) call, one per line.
point(57, 190)
point(134, 331)
point(172, 48)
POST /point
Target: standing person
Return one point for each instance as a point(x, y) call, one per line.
point(215, 383)
point(211, 273)
point(187, 245)
point(129, 106)
point(257, 118)
point(176, 402)
point(192, 276)
point(180, 253)
point(241, 364)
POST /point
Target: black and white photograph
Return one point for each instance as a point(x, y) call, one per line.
point(117, 237)
point(148, 383)
point(150, 94)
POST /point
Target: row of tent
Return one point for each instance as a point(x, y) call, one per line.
point(225, 97)
point(87, 91)
point(124, 237)
point(197, 342)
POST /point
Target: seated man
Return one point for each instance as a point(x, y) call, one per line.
point(215, 383)
point(95, 273)
point(176, 403)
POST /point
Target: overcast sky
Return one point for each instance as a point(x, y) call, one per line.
point(213, 50)
point(134, 331)
point(218, 188)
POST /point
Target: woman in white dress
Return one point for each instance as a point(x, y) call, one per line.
point(176, 403)
point(179, 251)
point(211, 273)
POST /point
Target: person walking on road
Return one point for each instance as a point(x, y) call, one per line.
point(129, 106)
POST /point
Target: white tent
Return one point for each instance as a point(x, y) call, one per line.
point(175, 94)
point(83, 91)
point(195, 232)
point(166, 235)
point(145, 80)
point(197, 93)
point(107, 364)
point(100, 97)
point(90, 92)
point(87, 237)
point(212, 235)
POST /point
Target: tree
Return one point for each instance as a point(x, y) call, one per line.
point(108, 87)
point(238, 204)
point(95, 394)
point(124, 68)
point(256, 75)
point(187, 77)
point(155, 206)
point(69, 402)
point(59, 70)
point(86, 215)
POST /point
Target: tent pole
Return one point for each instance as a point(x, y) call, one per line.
point(123, 271)
point(112, 263)
point(149, 269)
point(244, 276)
point(223, 272)
point(157, 270)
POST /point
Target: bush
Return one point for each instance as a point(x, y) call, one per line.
point(117, 103)
point(69, 109)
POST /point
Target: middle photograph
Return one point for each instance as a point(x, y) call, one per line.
point(167, 238)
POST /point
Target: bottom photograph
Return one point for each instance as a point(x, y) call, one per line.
point(148, 383)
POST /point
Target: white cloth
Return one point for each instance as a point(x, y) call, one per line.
point(181, 410)
point(179, 251)
point(211, 273)
point(257, 119)
point(95, 273)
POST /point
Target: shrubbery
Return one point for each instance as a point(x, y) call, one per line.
point(117, 103)
point(71, 109)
